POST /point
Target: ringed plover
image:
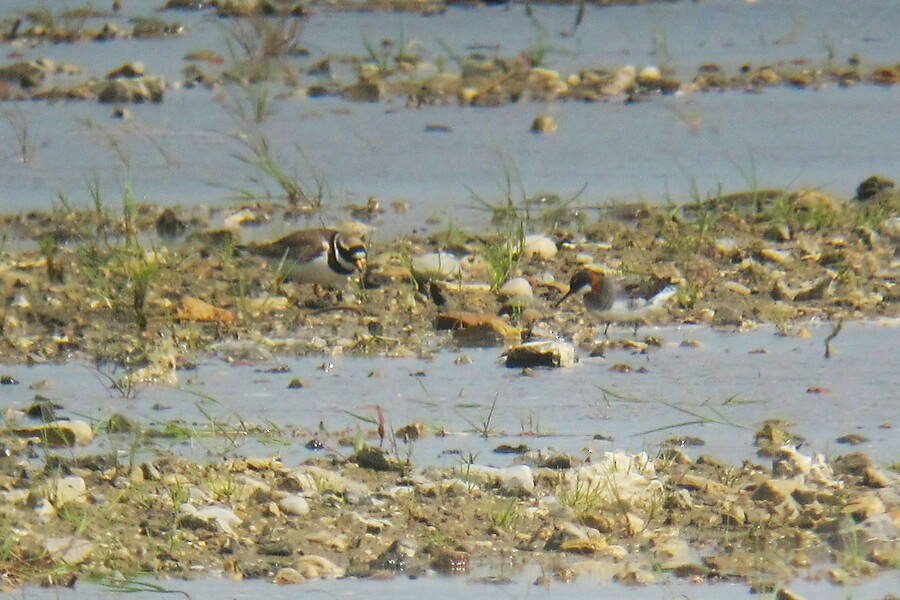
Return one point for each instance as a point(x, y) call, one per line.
point(324, 257)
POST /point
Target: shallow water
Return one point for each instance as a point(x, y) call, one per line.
point(518, 587)
point(720, 392)
point(181, 152)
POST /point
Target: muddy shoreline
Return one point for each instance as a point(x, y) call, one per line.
point(149, 288)
point(374, 515)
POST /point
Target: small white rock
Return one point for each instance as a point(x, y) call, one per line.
point(542, 353)
point(70, 489)
point(517, 290)
point(294, 505)
point(517, 480)
point(738, 288)
point(318, 567)
point(68, 549)
point(442, 264)
point(538, 245)
point(224, 517)
point(650, 73)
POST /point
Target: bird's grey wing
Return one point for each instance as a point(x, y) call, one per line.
point(300, 246)
point(644, 290)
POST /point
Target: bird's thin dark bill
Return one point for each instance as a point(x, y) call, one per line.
point(561, 300)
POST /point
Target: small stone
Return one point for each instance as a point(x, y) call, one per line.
point(194, 309)
point(589, 546)
point(784, 594)
point(600, 521)
point(729, 248)
point(363, 91)
point(854, 463)
point(864, 507)
point(294, 504)
point(872, 186)
point(70, 489)
point(395, 557)
point(287, 575)
point(800, 560)
point(225, 518)
point(649, 74)
point(411, 432)
point(540, 246)
point(375, 459)
point(774, 491)
point(68, 549)
point(120, 112)
point(517, 480)
point(440, 264)
point(517, 288)
point(477, 329)
point(696, 482)
point(852, 439)
point(738, 288)
point(275, 548)
point(543, 124)
point(838, 576)
point(59, 433)
point(633, 576)
point(875, 478)
point(318, 567)
point(128, 70)
point(734, 515)
point(449, 561)
point(541, 354)
point(774, 255)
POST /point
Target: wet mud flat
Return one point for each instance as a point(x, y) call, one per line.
point(149, 289)
point(617, 517)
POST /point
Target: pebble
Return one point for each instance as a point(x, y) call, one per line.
point(59, 433)
point(517, 480)
point(543, 124)
point(225, 518)
point(294, 504)
point(774, 491)
point(311, 478)
point(68, 549)
point(540, 246)
point(517, 291)
point(477, 330)
point(649, 74)
point(541, 354)
point(288, 575)
point(318, 567)
point(68, 490)
point(738, 288)
point(865, 507)
point(440, 264)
